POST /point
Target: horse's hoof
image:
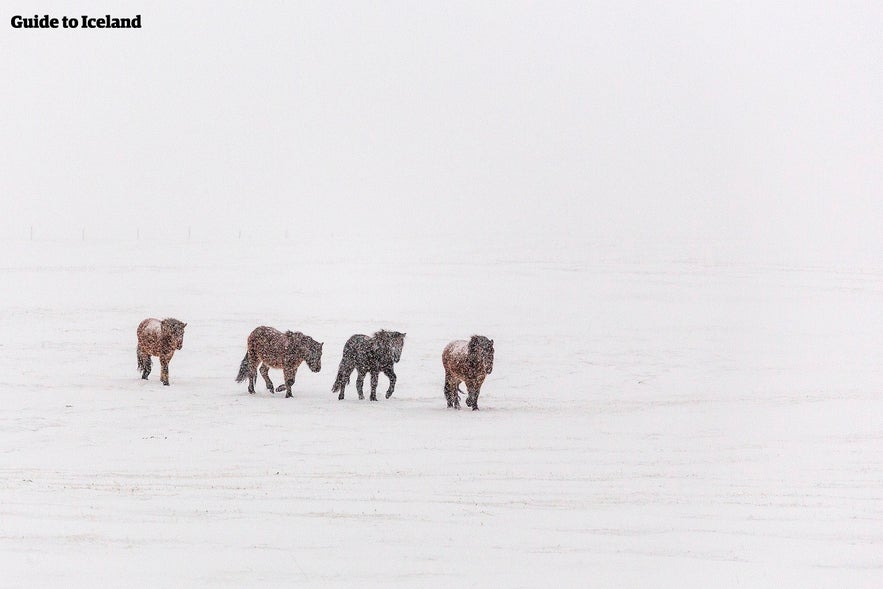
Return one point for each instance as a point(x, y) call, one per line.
point(165, 384)
point(361, 397)
point(288, 395)
point(388, 395)
point(340, 397)
point(475, 407)
point(469, 402)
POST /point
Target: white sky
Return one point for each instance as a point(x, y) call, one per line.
point(738, 123)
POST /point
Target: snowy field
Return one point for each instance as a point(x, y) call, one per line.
point(673, 420)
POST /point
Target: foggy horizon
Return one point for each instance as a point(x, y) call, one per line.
point(752, 126)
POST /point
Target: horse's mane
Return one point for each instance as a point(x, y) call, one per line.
point(302, 339)
point(299, 339)
point(172, 323)
point(479, 342)
point(387, 335)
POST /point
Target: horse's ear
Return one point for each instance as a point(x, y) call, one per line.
point(492, 342)
point(185, 325)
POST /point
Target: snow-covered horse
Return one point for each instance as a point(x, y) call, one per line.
point(158, 338)
point(273, 349)
point(370, 354)
point(468, 362)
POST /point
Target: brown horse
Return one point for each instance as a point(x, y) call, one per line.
point(468, 362)
point(158, 338)
point(273, 349)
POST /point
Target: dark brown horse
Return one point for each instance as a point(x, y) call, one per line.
point(273, 349)
point(158, 338)
point(468, 362)
point(370, 355)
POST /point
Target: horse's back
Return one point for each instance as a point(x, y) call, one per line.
point(264, 330)
point(149, 327)
point(454, 354)
point(149, 334)
point(356, 341)
point(262, 335)
point(356, 347)
point(457, 347)
point(270, 345)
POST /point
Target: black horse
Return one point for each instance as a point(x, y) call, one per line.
point(370, 354)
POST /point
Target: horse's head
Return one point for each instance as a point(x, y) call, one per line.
point(174, 329)
point(481, 349)
point(314, 355)
point(398, 342)
point(389, 344)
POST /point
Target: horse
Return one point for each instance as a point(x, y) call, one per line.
point(273, 349)
point(158, 338)
point(370, 354)
point(466, 361)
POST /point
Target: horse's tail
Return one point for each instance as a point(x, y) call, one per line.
point(243, 369)
point(140, 361)
point(347, 365)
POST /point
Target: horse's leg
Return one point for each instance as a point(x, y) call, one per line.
point(164, 369)
point(252, 370)
point(451, 384)
point(147, 364)
point(474, 387)
point(347, 365)
point(478, 384)
point(374, 377)
point(342, 389)
point(391, 375)
point(265, 372)
point(289, 373)
point(360, 382)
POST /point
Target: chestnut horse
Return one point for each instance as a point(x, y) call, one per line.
point(273, 349)
point(468, 362)
point(158, 338)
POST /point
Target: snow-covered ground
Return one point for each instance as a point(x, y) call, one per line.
point(666, 420)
